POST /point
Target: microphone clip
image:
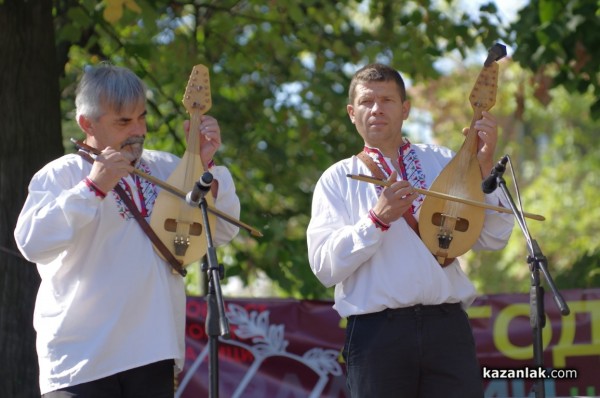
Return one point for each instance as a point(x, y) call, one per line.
point(490, 183)
point(200, 189)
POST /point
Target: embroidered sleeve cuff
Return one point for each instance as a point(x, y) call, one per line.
point(210, 164)
point(94, 188)
point(377, 221)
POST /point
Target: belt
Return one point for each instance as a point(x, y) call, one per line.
point(416, 309)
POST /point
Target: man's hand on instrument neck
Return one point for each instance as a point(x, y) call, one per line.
point(487, 131)
point(210, 137)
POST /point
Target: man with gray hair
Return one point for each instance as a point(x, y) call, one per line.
point(110, 312)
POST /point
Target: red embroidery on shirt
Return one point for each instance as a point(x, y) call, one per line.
point(410, 169)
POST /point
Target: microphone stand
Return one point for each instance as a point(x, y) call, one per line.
point(214, 326)
point(537, 262)
point(216, 322)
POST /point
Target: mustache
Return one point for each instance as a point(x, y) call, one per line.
point(133, 140)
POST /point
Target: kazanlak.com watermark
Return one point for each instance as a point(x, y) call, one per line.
point(528, 373)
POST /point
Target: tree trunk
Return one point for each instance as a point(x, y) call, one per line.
point(31, 135)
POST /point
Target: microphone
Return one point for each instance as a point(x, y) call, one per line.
point(490, 183)
point(201, 188)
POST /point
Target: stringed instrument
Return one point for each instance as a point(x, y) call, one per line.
point(386, 183)
point(177, 224)
point(450, 228)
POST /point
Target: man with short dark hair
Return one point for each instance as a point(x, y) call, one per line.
point(407, 333)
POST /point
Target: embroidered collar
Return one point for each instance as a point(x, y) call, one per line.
point(143, 192)
point(409, 164)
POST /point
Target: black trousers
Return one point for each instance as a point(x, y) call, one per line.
point(156, 380)
point(414, 352)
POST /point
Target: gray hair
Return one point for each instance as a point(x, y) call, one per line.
point(376, 73)
point(107, 87)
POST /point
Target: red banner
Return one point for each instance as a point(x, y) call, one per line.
point(291, 348)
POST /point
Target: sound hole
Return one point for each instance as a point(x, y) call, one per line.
point(195, 228)
point(440, 220)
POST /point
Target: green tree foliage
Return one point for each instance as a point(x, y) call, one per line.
point(279, 74)
point(558, 41)
point(562, 183)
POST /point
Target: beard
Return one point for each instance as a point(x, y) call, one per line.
point(132, 148)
